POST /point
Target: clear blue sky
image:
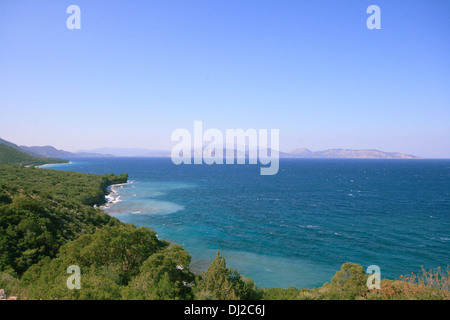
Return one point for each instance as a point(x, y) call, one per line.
point(137, 70)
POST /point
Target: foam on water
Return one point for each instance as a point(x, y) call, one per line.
point(139, 198)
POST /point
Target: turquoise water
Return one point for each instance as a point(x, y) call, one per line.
point(297, 227)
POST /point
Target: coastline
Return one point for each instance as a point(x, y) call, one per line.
point(112, 196)
point(49, 164)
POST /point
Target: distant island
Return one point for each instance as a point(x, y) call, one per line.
point(297, 153)
point(349, 153)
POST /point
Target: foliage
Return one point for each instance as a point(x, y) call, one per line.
point(108, 260)
point(5, 198)
point(428, 285)
point(11, 284)
point(438, 279)
point(165, 275)
point(40, 210)
point(290, 293)
point(348, 283)
point(222, 283)
point(67, 188)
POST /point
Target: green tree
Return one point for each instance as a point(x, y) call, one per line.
point(122, 248)
point(4, 197)
point(164, 275)
point(349, 283)
point(108, 259)
point(222, 283)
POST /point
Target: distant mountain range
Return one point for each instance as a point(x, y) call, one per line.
point(128, 152)
point(349, 153)
point(297, 153)
point(13, 156)
point(49, 151)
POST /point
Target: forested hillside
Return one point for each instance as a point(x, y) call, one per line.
point(40, 210)
point(10, 155)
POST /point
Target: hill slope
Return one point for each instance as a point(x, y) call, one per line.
point(49, 151)
point(15, 146)
point(10, 155)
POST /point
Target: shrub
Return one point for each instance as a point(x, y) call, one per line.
point(349, 283)
point(222, 283)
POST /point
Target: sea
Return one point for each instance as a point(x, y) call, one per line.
point(295, 228)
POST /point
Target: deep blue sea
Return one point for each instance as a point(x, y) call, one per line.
point(294, 228)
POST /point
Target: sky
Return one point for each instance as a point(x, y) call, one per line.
point(138, 70)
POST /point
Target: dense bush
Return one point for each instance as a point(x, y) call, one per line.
point(348, 283)
point(428, 285)
point(222, 283)
point(165, 275)
point(40, 210)
point(108, 259)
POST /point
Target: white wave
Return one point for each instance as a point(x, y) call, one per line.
point(308, 226)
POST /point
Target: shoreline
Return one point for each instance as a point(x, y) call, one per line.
point(49, 164)
point(113, 196)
